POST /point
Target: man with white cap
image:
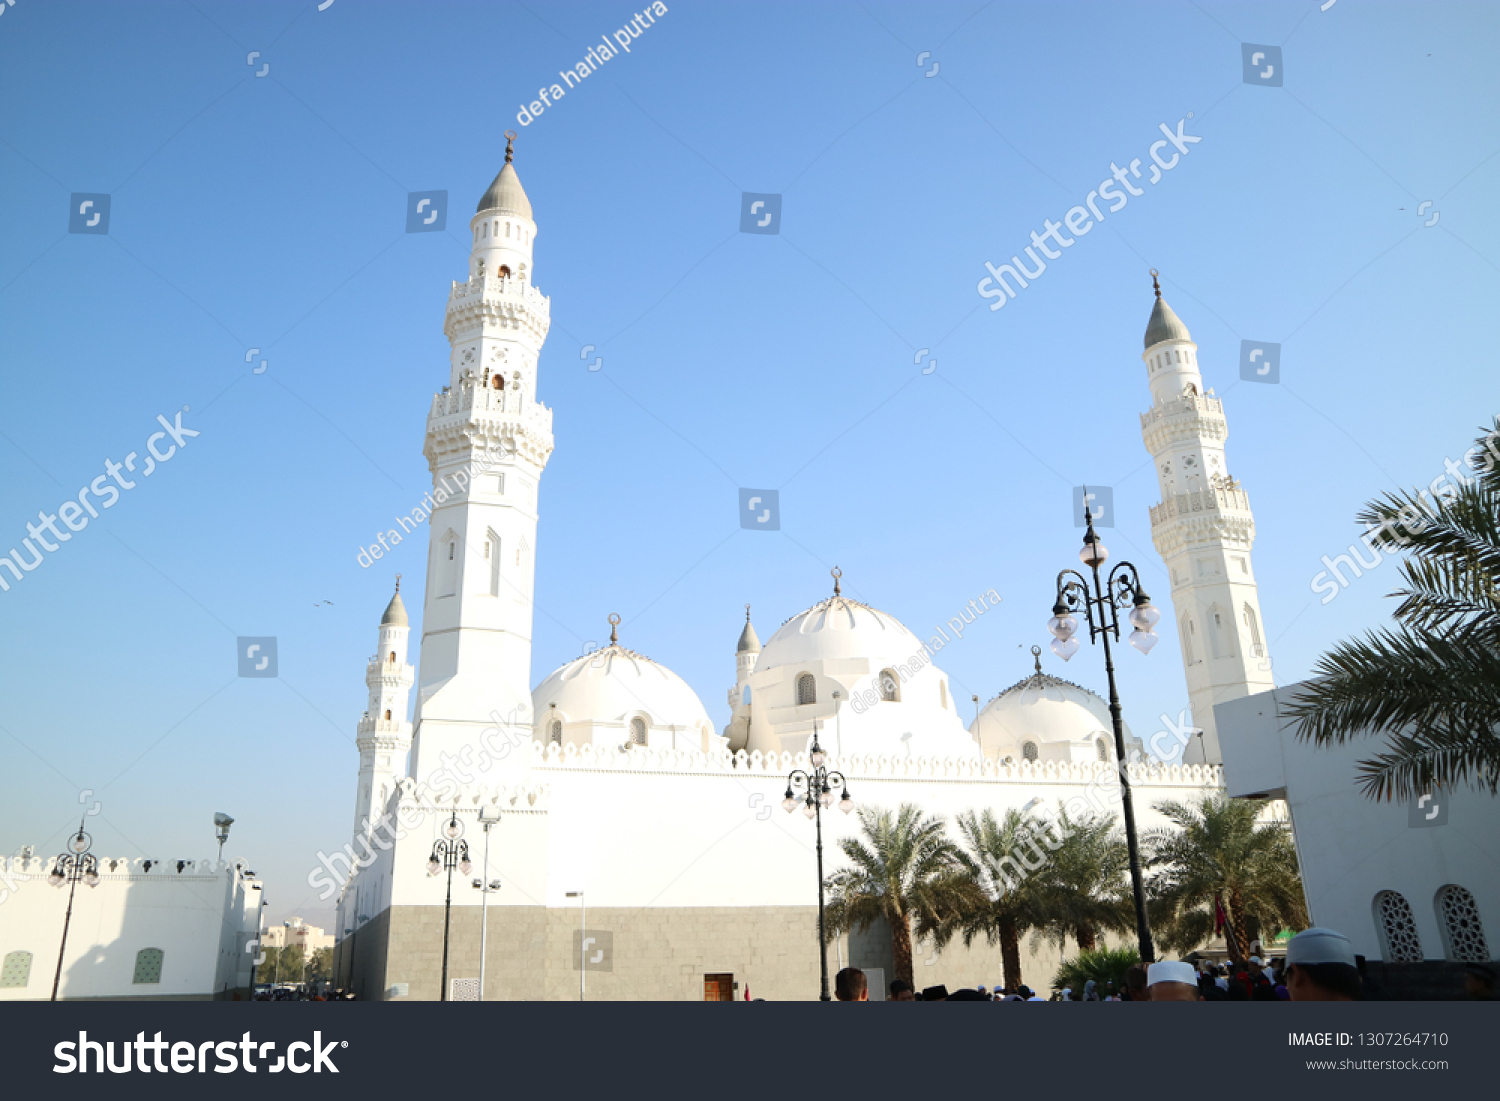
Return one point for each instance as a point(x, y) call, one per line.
point(1320, 967)
point(1171, 981)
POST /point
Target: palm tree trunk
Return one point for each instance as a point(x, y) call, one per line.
point(1237, 920)
point(1087, 939)
point(1010, 954)
point(901, 948)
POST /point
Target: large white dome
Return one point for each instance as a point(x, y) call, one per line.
point(1046, 718)
point(614, 696)
point(866, 681)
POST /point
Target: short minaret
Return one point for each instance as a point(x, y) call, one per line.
point(1203, 529)
point(384, 735)
point(745, 655)
point(488, 439)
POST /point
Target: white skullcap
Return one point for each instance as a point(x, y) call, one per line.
point(1319, 945)
point(1171, 971)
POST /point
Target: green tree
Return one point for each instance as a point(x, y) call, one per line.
point(1219, 851)
point(1431, 686)
point(903, 870)
point(1083, 886)
point(320, 965)
point(998, 898)
point(293, 964)
point(1102, 965)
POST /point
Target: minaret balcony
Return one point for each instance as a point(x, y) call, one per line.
point(472, 401)
point(507, 300)
point(1220, 499)
point(1191, 416)
point(383, 674)
point(386, 733)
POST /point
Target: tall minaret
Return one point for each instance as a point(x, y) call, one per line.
point(1203, 530)
point(488, 439)
point(384, 735)
point(746, 653)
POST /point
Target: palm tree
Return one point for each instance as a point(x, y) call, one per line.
point(1082, 888)
point(998, 897)
point(1104, 966)
point(904, 869)
point(1221, 854)
point(1433, 683)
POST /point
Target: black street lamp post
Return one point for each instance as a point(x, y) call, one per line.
point(75, 864)
point(448, 852)
point(814, 790)
point(1101, 607)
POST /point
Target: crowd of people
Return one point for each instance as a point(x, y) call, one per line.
point(1319, 966)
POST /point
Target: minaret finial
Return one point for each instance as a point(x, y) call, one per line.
point(614, 622)
point(747, 613)
point(837, 573)
point(510, 144)
point(398, 582)
point(1154, 273)
point(1036, 653)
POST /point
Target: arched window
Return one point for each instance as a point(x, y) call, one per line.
point(387, 714)
point(890, 687)
point(393, 657)
point(557, 732)
point(1029, 751)
point(1463, 932)
point(1187, 633)
point(1252, 625)
point(504, 271)
point(807, 689)
point(447, 566)
point(637, 731)
point(1397, 929)
point(16, 971)
point(148, 966)
point(507, 229)
point(1102, 749)
point(492, 552)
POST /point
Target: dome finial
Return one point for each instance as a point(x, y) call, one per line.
point(837, 573)
point(747, 613)
point(1036, 654)
point(510, 146)
point(614, 622)
point(1154, 273)
point(398, 582)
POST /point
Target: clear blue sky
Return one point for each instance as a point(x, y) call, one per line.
point(269, 212)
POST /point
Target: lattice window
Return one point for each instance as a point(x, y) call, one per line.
point(557, 732)
point(638, 731)
point(1397, 929)
point(889, 691)
point(1102, 750)
point(148, 965)
point(1463, 932)
point(16, 970)
point(807, 689)
point(1029, 751)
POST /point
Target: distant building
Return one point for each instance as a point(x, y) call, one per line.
point(310, 938)
point(164, 930)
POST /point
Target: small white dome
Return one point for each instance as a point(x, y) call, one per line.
point(615, 696)
point(1049, 719)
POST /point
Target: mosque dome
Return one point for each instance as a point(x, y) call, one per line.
point(1046, 718)
point(615, 696)
point(858, 677)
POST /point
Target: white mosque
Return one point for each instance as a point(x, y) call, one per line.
point(642, 853)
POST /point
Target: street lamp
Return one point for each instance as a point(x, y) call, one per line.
point(222, 822)
point(814, 790)
point(75, 864)
point(1101, 608)
point(488, 816)
point(448, 852)
point(581, 926)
